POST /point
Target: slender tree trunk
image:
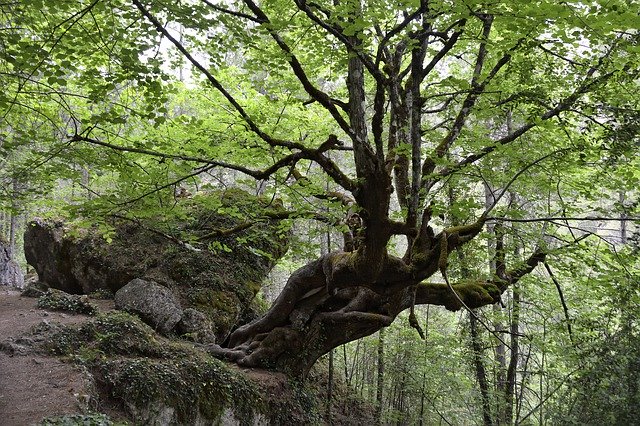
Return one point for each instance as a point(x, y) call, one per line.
point(424, 373)
point(85, 181)
point(512, 371)
point(500, 349)
point(402, 393)
point(476, 344)
point(623, 222)
point(633, 363)
point(510, 387)
point(346, 365)
point(380, 382)
point(542, 367)
point(330, 389)
point(13, 227)
point(3, 224)
point(481, 374)
point(501, 368)
point(523, 385)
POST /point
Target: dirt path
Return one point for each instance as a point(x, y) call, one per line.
point(34, 386)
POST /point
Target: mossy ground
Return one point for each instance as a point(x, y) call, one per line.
point(56, 300)
point(95, 419)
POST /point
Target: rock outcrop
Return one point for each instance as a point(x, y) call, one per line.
point(10, 272)
point(212, 252)
point(153, 303)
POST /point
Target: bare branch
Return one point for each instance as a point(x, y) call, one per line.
point(336, 31)
point(517, 175)
point(561, 295)
point(448, 45)
point(287, 161)
point(299, 72)
point(257, 174)
point(231, 12)
point(215, 83)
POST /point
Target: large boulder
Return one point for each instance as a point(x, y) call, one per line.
point(154, 304)
point(212, 252)
point(10, 272)
point(48, 248)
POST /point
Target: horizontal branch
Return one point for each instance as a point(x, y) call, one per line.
point(139, 223)
point(257, 174)
point(287, 161)
point(231, 12)
point(173, 183)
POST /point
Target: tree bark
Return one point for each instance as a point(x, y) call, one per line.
point(330, 388)
point(501, 367)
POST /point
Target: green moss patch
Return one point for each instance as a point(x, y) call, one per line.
point(194, 389)
point(96, 419)
point(222, 307)
point(56, 300)
point(112, 334)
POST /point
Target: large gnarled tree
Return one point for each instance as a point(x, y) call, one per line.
point(400, 100)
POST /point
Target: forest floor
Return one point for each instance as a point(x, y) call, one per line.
point(35, 386)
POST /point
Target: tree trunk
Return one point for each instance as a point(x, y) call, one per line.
point(541, 383)
point(13, 227)
point(510, 385)
point(380, 382)
point(501, 367)
point(623, 221)
point(343, 296)
point(329, 389)
point(480, 371)
point(325, 304)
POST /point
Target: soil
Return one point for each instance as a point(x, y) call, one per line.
point(35, 386)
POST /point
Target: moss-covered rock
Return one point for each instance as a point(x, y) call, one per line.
point(143, 377)
point(181, 391)
point(112, 334)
